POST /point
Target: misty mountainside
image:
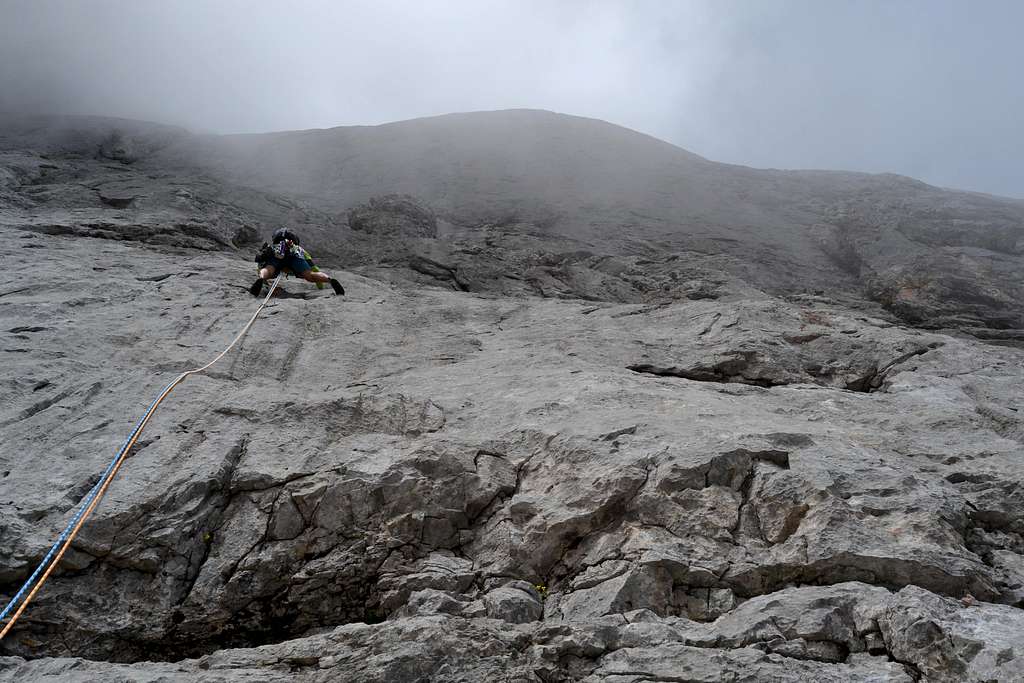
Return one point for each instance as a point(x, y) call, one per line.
point(541, 203)
point(592, 409)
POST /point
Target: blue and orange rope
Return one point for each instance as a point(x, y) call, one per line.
point(35, 582)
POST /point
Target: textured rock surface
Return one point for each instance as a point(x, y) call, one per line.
point(460, 483)
point(534, 202)
point(394, 215)
point(947, 642)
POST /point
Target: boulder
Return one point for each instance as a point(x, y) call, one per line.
point(393, 215)
point(517, 602)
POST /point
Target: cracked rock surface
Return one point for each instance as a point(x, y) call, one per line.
point(419, 461)
point(443, 483)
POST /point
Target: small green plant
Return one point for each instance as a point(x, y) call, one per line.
point(207, 537)
point(542, 590)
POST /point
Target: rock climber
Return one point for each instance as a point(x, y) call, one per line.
point(284, 254)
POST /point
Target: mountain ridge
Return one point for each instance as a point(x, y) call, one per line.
point(605, 189)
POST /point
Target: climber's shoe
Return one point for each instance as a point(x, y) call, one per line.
point(338, 289)
point(257, 287)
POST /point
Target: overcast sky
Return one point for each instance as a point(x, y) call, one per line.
point(928, 88)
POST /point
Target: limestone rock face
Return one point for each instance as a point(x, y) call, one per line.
point(505, 454)
point(950, 642)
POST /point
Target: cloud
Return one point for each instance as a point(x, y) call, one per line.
point(922, 87)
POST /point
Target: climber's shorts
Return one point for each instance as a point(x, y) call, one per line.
point(295, 264)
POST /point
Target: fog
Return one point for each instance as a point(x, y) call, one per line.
point(925, 88)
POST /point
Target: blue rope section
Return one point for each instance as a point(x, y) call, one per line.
point(78, 515)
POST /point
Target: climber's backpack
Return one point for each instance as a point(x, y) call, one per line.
point(282, 234)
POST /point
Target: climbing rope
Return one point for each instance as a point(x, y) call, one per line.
point(89, 503)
